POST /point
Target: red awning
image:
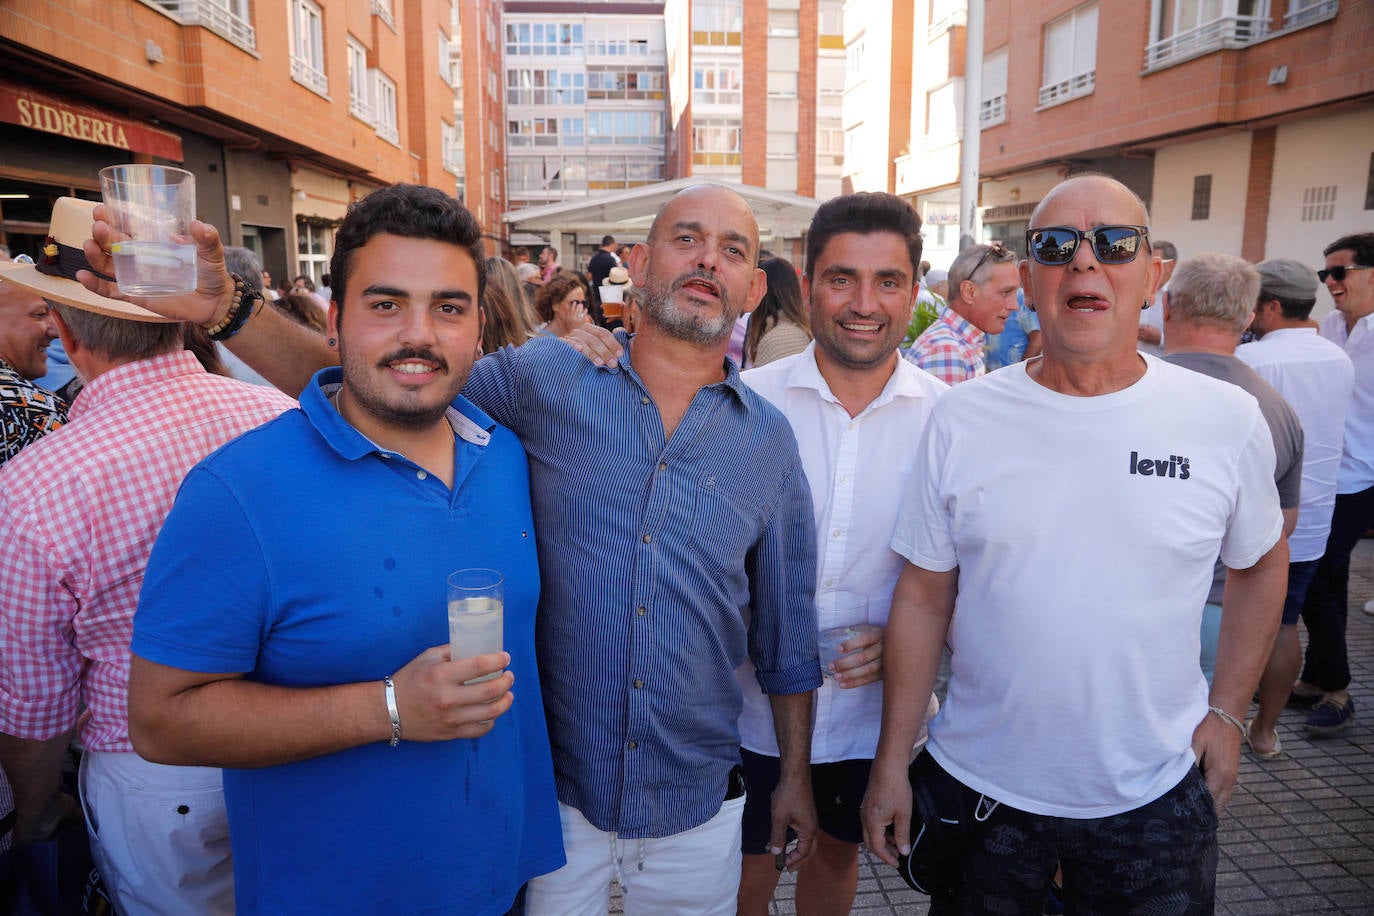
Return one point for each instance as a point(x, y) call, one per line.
point(38, 111)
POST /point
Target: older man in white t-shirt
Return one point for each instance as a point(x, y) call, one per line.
point(1072, 508)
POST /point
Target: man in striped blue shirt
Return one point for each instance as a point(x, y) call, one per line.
point(655, 590)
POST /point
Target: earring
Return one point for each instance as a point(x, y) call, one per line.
point(331, 341)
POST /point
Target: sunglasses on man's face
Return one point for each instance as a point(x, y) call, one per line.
point(1056, 245)
point(1338, 272)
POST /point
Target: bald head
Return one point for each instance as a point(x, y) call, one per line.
point(1132, 207)
point(689, 203)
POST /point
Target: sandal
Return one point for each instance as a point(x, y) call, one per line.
point(1276, 751)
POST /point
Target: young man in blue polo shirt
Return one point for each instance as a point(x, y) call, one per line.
point(292, 624)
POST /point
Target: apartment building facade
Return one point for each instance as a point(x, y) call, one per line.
point(766, 82)
point(286, 110)
point(585, 96)
point(1248, 125)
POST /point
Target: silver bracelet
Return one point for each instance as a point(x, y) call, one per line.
point(1227, 717)
point(392, 711)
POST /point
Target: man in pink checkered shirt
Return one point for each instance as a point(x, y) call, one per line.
point(983, 281)
point(79, 511)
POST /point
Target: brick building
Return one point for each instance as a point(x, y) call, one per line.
point(1248, 125)
point(286, 110)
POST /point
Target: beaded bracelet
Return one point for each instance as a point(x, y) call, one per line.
point(237, 316)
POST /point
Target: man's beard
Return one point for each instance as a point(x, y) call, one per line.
point(682, 324)
point(391, 407)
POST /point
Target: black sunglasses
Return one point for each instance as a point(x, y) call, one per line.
point(1056, 245)
point(1338, 272)
point(996, 248)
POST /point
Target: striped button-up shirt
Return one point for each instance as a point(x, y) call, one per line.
point(951, 349)
point(664, 564)
point(79, 511)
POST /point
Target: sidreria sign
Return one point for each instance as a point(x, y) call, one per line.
point(38, 111)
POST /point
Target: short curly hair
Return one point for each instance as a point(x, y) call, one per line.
point(410, 211)
point(553, 292)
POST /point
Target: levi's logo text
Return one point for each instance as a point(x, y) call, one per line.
point(1175, 466)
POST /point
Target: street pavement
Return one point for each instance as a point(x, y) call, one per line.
point(1298, 836)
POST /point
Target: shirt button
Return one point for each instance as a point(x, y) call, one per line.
point(648, 538)
point(829, 583)
point(633, 745)
point(641, 610)
point(835, 533)
point(644, 400)
point(663, 465)
point(638, 683)
point(421, 475)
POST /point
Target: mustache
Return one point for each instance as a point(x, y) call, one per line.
point(705, 276)
point(428, 356)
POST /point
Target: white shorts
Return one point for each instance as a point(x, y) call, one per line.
point(159, 835)
point(693, 872)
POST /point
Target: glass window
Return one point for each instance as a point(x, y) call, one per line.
point(307, 46)
point(359, 85)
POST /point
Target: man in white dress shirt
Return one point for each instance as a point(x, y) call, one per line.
point(856, 409)
point(1315, 377)
point(1349, 277)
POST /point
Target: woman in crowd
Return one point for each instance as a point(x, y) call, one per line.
point(779, 326)
point(561, 305)
point(509, 320)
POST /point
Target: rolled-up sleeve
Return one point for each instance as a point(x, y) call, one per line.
point(782, 585)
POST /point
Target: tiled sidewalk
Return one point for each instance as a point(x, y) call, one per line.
point(1298, 836)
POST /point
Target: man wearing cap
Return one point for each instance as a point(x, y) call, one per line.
point(78, 515)
point(983, 284)
point(1316, 378)
point(27, 411)
point(1076, 700)
point(1349, 277)
point(1206, 309)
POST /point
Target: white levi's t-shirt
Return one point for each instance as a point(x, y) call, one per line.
point(1084, 531)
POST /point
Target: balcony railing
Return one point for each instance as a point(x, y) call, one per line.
point(216, 17)
point(389, 133)
point(949, 20)
point(993, 111)
point(1225, 32)
point(1307, 15)
point(1071, 88)
point(305, 73)
point(359, 108)
point(382, 10)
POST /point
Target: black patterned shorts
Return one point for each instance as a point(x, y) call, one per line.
point(1160, 858)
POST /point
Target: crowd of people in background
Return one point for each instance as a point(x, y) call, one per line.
point(224, 594)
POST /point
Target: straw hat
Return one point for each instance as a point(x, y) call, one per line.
point(54, 277)
point(618, 276)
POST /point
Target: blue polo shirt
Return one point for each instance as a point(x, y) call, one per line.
point(304, 555)
point(665, 562)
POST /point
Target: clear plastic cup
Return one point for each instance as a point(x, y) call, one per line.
point(476, 612)
point(150, 209)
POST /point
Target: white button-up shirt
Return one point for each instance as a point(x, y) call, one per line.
point(1315, 377)
point(858, 468)
point(1357, 460)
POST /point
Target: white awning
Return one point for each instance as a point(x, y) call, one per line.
point(628, 213)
